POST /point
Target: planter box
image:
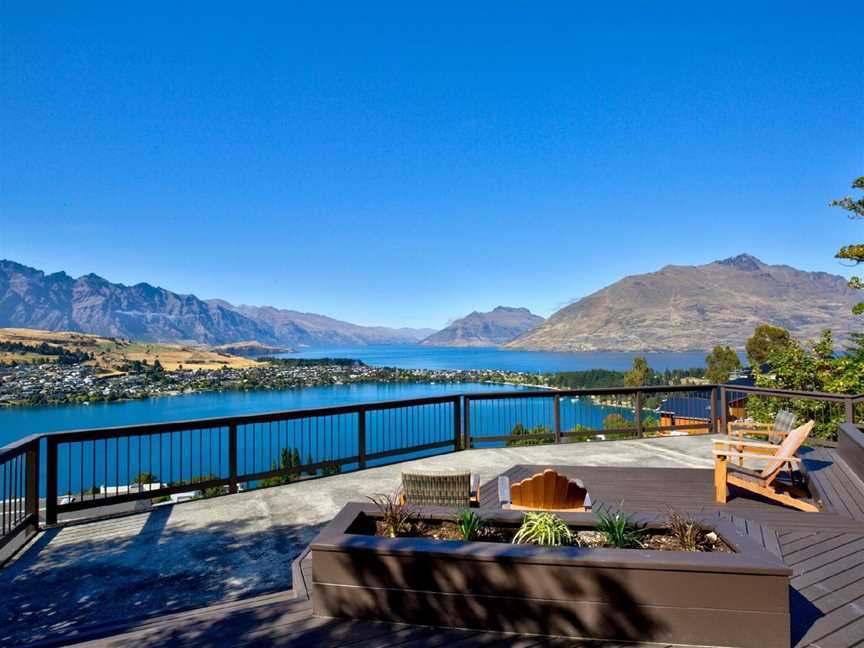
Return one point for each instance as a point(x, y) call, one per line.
point(716, 599)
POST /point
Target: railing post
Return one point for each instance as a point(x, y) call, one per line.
point(232, 458)
point(31, 499)
point(724, 411)
point(361, 439)
point(467, 420)
point(850, 410)
point(557, 406)
point(457, 423)
point(51, 482)
point(712, 427)
point(638, 414)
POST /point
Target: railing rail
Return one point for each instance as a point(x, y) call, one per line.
point(104, 467)
point(826, 409)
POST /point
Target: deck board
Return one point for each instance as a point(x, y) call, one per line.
point(825, 551)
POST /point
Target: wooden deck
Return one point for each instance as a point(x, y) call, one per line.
point(825, 551)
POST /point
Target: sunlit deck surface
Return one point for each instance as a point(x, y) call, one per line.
point(218, 572)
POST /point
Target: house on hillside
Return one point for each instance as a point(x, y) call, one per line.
point(696, 411)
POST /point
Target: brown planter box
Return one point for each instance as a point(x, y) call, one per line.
point(716, 599)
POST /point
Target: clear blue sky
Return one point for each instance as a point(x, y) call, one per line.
point(395, 165)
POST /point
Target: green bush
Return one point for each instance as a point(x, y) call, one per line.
point(619, 530)
point(545, 529)
point(520, 430)
point(469, 524)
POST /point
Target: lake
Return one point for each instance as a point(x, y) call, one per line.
point(19, 422)
point(421, 357)
point(22, 421)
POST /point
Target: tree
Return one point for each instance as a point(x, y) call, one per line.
point(815, 369)
point(855, 254)
point(764, 341)
point(639, 374)
point(721, 362)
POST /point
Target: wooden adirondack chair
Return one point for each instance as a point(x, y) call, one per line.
point(764, 482)
point(546, 491)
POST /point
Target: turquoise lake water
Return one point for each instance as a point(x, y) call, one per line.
point(86, 466)
point(420, 357)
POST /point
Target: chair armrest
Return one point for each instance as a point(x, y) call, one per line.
point(749, 425)
point(745, 444)
point(753, 455)
point(475, 487)
point(504, 490)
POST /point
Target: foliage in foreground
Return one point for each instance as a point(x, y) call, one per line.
point(469, 524)
point(619, 530)
point(396, 515)
point(545, 529)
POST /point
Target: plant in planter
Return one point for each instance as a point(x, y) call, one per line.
point(619, 530)
point(545, 529)
point(469, 524)
point(691, 534)
point(396, 515)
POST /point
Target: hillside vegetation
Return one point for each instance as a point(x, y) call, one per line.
point(111, 354)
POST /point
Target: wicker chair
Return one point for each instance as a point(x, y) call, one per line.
point(440, 489)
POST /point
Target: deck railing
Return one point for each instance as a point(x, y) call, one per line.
point(96, 468)
point(19, 491)
point(65, 472)
point(761, 404)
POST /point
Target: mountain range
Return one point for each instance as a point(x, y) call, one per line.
point(496, 327)
point(682, 308)
point(676, 308)
point(29, 298)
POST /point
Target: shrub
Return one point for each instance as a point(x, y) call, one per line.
point(520, 430)
point(619, 530)
point(469, 524)
point(545, 529)
point(395, 514)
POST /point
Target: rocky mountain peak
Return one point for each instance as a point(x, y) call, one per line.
point(745, 262)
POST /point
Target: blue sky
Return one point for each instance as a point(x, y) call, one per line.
point(390, 164)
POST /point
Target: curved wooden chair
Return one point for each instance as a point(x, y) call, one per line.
point(546, 491)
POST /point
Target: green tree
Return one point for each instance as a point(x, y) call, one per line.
point(639, 374)
point(855, 254)
point(721, 362)
point(145, 478)
point(808, 369)
point(764, 341)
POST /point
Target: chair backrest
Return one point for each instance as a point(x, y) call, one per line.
point(548, 491)
point(437, 489)
point(783, 422)
point(786, 450)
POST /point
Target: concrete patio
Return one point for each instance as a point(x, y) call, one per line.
point(208, 551)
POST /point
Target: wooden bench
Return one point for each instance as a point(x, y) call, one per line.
point(835, 476)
